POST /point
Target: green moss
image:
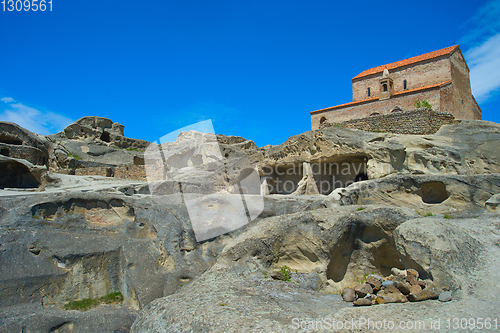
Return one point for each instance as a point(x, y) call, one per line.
point(447, 216)
point(88, 303)
point(360, 208)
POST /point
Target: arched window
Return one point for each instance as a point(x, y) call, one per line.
point(384, 87)
point(322, 120)
point(405, 85)
point(369, 92)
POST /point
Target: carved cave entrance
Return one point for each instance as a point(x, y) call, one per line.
point(329, 174)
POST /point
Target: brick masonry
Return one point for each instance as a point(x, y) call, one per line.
point(442, 81)
point(418, 121)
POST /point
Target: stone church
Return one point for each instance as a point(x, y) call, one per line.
point(440, 77)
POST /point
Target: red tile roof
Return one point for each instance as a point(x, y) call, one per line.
point(409, 61)
point(404, 92)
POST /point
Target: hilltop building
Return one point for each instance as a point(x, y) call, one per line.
point(441, 78)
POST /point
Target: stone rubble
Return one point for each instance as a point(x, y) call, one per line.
point(400, 287)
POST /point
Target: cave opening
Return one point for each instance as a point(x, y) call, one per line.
point(328, 174)
point(105, 137)
point(10, 140)
point(16, 175)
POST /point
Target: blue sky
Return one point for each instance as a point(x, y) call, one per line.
point(256, 68)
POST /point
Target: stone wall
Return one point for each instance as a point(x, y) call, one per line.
point(94, 171)
point(418, 121)
point(133, 172)
point(404, 101)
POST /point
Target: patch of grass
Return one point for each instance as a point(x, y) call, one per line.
point(447, 216)
point(75, 156)
point(132, 149)
point(360, 208)
point(111, 298)
point(88, 303)
point(363, 279)
point(425, 214)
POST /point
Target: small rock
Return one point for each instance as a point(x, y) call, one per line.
point(415, 289)
point(421, 283)
point(278, 276)
point(362, 302)
point(392, 290)
point(375, 283)
point(445, 296)
point(412, 272)
point(427, 293)
point(349, 295)
point(391, 298)
point(387, 283)
point(404, 288)
point(411, 276)
point(363, 289)
point(398, 272)
point(375, 276)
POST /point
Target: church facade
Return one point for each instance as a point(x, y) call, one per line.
point(441, 78)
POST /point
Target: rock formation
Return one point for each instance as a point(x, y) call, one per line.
point(372, 217)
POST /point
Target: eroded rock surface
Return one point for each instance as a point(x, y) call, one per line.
point(393, 203)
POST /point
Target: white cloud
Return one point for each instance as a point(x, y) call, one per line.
point(41, 122)
point(482, 42)
point(484, 64)
point(483, 24)
point(7, 100)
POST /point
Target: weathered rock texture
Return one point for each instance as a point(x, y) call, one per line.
point(17, 142)
point(402, 202)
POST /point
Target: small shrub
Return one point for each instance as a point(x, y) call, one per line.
point(360, 208)
point(447, 216)
point(363, 279)
point(429, 214)
point(423, 104)
point(287, 272)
